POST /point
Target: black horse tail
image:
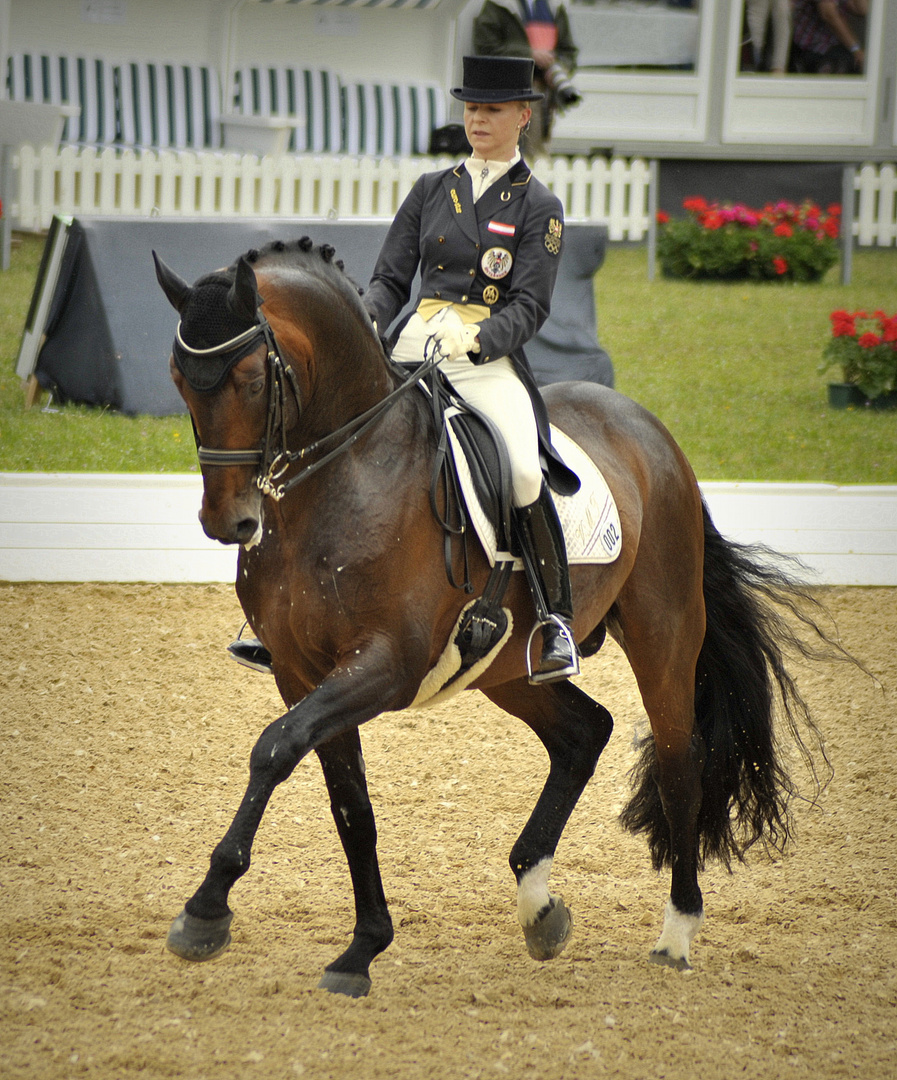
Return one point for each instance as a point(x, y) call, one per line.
point(757, 615)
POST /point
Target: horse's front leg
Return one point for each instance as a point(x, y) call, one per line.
point(348, 697)
point(343, 765)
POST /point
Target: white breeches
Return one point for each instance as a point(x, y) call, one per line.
point(496, 391)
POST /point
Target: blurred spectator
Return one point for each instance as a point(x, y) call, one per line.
point(758, 19)
point(532, 28)
point(824, 39)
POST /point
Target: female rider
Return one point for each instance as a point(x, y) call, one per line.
point(487, 237)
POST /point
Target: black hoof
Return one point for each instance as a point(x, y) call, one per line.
point(677, 963)
point(548, 936)
point(349, 983)
point(199, 939)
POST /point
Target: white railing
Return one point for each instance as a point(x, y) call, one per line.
point(82, 182)
point(875, 205)
point(143, 527)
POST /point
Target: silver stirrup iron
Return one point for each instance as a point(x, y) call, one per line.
point(558, 673)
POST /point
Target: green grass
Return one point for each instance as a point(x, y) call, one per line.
point(73, 438)
point(731, 369)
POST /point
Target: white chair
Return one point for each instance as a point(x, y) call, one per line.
point(308, 98)
point(85, 84)
point(169, 106)
point(391, 119)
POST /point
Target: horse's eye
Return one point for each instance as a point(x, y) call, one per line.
point(256, 386)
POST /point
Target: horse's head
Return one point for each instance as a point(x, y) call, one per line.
point(219, 365)
point(249, 393)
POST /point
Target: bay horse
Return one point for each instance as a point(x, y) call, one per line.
point(317, 462)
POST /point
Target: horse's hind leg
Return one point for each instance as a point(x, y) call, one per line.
point(343, 766)
point(666, 803)
point(574, 730)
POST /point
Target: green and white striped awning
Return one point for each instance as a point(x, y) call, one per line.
point(386, 4)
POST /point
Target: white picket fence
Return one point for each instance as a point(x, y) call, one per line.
point(88, 181)
point(875, 205)
point(83, 182)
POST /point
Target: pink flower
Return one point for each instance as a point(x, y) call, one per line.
point(780, 266)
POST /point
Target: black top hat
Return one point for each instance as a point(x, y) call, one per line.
point(497, 79)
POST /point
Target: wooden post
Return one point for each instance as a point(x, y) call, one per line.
point(848, 202)
point(33, 392)
point(6, 197)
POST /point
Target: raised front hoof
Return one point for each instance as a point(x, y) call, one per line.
point(547, 937)
point(677, 963)
point(199, 939)
point(348, 983)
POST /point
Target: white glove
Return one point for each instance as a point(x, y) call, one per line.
point(455, 341)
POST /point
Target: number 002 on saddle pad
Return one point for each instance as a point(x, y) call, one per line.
point(589, 518)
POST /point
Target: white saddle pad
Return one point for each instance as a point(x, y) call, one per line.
point(590, 519)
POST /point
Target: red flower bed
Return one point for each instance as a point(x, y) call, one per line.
point(783, 241)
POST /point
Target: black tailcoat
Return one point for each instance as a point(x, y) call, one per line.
point(501, 252)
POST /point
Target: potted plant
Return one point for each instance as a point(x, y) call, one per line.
point(781, 242)
point(864, 347)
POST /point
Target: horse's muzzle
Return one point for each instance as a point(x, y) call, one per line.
point(235, 521)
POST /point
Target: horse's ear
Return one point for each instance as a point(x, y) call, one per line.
point(175, 288)
point(243, 296)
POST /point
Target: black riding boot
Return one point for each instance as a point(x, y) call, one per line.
point(545, 560)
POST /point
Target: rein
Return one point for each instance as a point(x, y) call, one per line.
point(272, 463)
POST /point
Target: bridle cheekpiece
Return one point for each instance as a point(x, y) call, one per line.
point(273, 463)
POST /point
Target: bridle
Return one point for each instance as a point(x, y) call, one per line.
point(275, 457)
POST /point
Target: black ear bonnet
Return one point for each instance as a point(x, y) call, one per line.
point(208, 322)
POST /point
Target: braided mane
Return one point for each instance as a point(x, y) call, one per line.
point(319, 258)
point(208, 319)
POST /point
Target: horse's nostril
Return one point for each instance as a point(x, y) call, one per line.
point(246, 529)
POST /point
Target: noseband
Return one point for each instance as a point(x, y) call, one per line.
point(273, 463)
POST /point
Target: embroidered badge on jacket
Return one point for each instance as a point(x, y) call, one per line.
point(497, 262)
point(553, 236)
